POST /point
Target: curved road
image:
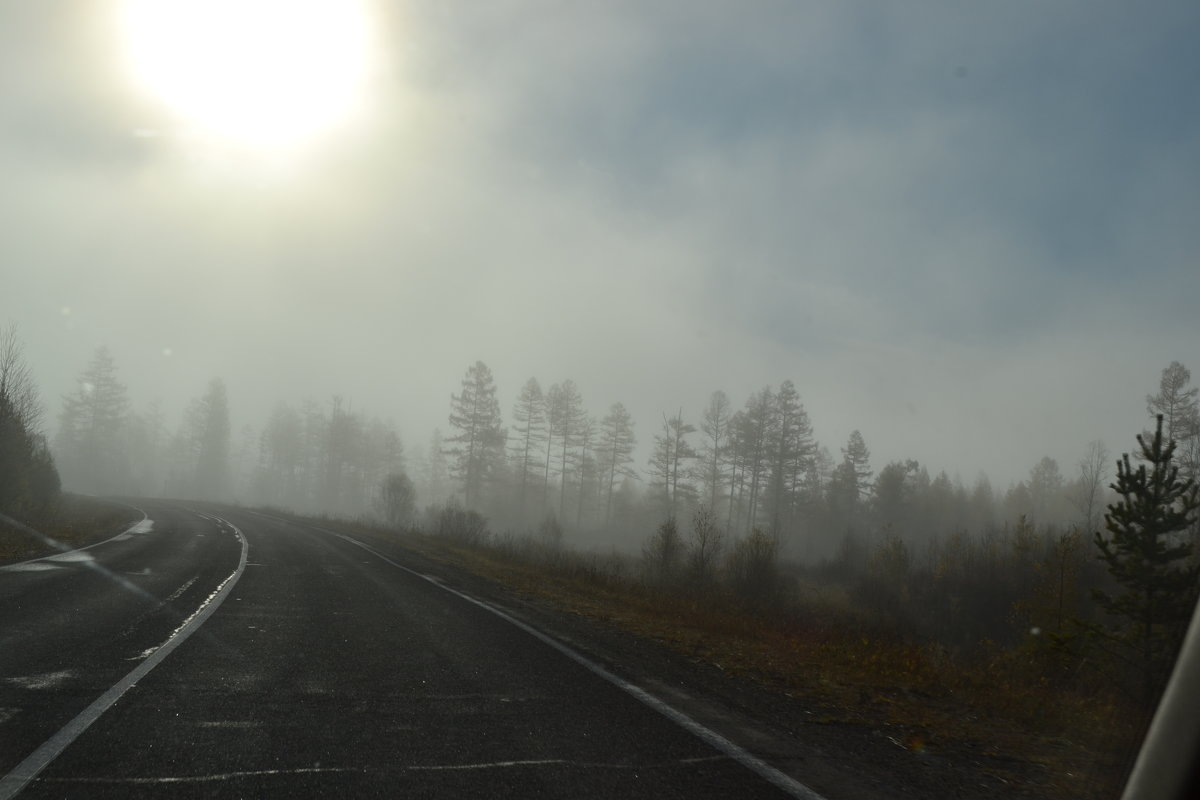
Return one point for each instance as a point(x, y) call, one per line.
point(321, 668)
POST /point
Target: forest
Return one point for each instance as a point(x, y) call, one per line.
point(738, 501)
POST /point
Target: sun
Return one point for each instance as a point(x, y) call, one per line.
point(261, 73)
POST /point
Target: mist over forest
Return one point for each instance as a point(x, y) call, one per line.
point(843, 344)
point(546, 456)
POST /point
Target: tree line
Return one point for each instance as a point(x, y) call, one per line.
point(29, 480)
point(722, 497)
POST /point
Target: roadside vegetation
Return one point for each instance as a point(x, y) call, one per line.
point(1031, 645)
point(1036, 623)
point(36, 517)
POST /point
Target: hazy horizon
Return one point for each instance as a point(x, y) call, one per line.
point(974, 246)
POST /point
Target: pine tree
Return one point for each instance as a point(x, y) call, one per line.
point(858, 457)
point(791, 452)
point(89, 446)
point(208, 433)
point(478, 442)
point(1147, 553)
point(529, 425)
point(566, 420)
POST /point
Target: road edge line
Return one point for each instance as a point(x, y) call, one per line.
point(19, 777)
point(752, 762)
point(10, 567)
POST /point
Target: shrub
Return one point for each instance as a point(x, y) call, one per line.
point(461, 525)
point(753, 569)
point(662, 554)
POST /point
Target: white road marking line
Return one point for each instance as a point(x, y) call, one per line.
point(226, 776)
point(22, 566)
point(540, 762)
point(74, 557)
point(764, 770)
point(175, 594)
point(12, 783)
point(223, 776)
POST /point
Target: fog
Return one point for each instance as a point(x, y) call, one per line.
point(973, 244)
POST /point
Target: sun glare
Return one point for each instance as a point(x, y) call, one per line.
point(262, 73)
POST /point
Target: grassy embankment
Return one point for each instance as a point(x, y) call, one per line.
point(75, 522)
point(1075, 736)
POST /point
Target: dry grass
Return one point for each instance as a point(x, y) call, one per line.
point(995, 704)
point(76, 522)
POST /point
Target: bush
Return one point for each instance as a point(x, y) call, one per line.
point(753, 569)
point(662, 554)
point(705, 548)
point(551, 532)
point(461, 525)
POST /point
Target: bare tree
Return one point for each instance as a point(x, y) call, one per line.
point(1176, 402)
point(671, 451)
point(754, 437)
point(714, 424)
point(16, 382)
point(1087, 494)
point(566, 419)
point(705, 550)
point(791, 451)
point(29, 483)
point(529, 425)
point(616, 452)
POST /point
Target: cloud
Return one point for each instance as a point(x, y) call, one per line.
point(967, 232)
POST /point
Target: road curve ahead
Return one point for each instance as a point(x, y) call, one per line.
point(327, 670)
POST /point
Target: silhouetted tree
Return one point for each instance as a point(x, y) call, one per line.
point(791, 452)
point(88, 444)
point(1176, 403)
point(397, 500)
point(29, 483)
point(669, 461)
point(704, 550)
point(1086, 495)
point(754, 435)
point(615, 452)
point(566, 418)
point(1045, 490)
point(529, 429)
point(477, 445)
point(208, 432)
point(1147, 555)
point(856, 454)
point(713, 456)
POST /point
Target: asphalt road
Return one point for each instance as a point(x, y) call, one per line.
point(279, 659)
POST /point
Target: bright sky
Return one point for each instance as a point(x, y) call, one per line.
point(969, 230)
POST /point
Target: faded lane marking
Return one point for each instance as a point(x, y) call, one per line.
point(16, 780)
point(221, 776)
point(175, 594)
point(259, 773)
point(48, 680)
